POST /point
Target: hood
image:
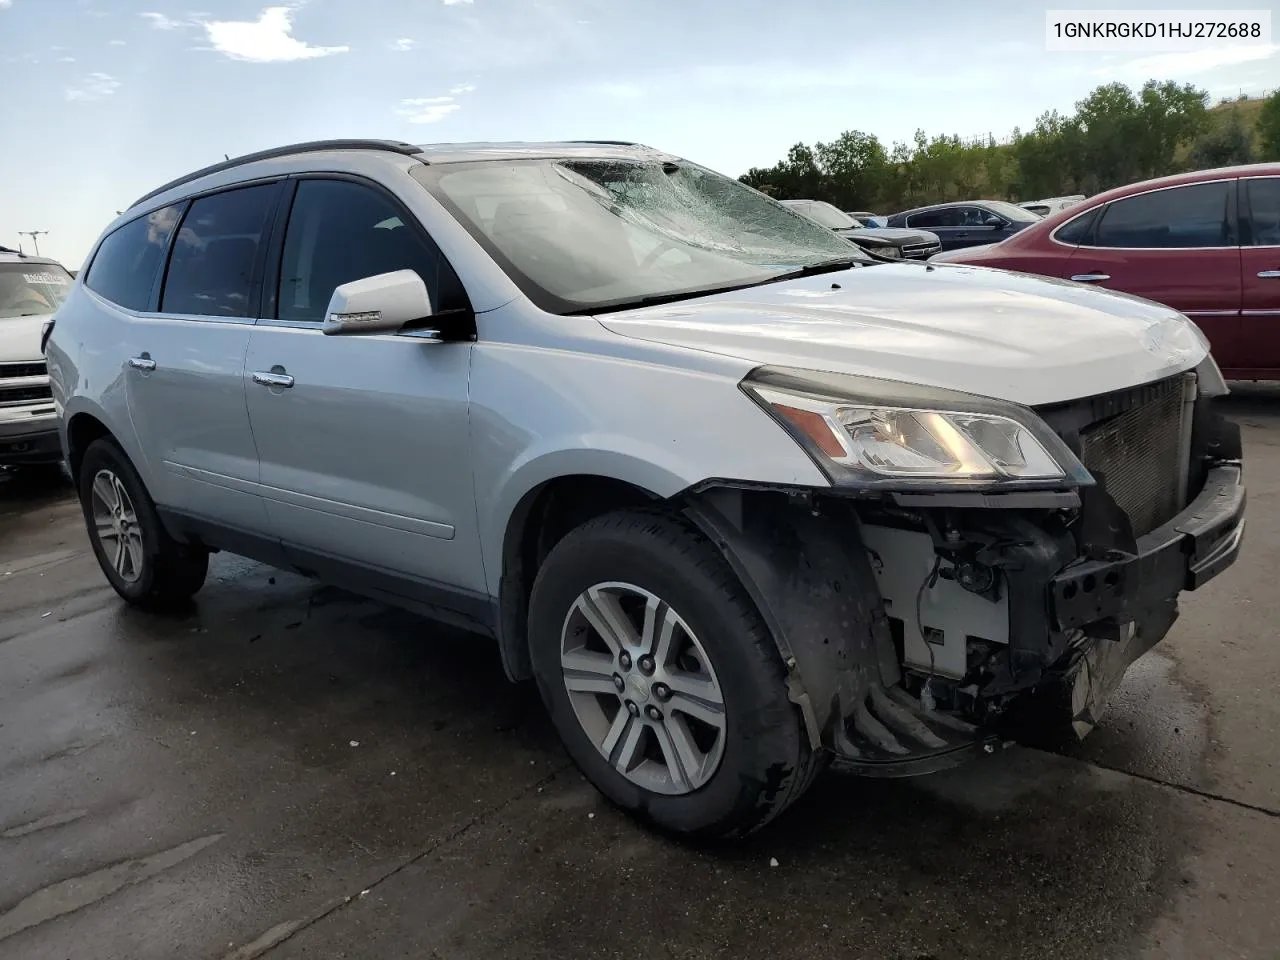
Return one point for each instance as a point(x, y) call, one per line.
point(962, 254)
point(898, 236)
point(1025, 339)
point(20, 338)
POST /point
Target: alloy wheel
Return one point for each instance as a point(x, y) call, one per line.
point(643, 688)
point(115, 523)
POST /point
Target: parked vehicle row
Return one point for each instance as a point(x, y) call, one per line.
point(741, 498)
point(1205, 243)
point(895, 244)
point(31, 290)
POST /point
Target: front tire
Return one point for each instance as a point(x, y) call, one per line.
point(145, 565)
point(663, 680)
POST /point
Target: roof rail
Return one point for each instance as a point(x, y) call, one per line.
point(610, 143)
point(311, 146)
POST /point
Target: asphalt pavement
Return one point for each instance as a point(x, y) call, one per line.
point(288, 771)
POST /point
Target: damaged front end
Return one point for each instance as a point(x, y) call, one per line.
point(921, 624)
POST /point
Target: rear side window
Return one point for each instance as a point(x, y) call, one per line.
point(1264, 211)
point(212, 267)
point(1180, 217)
point(1078, 230)
point(128, 259)
point(341, 231)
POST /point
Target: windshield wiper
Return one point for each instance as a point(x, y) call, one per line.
point(654, 300)
point(812, 269)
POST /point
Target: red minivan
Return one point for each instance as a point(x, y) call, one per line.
point(1205, 243)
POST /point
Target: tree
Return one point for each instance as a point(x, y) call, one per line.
point(856, 167)
point(1223, 147)
point(1269, 128)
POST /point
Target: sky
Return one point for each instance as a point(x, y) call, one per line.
point(104, 100)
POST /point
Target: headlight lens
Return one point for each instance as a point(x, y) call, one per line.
point(862, 442)
point(892, 253)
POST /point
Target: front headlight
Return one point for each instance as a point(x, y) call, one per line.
point(878, 433)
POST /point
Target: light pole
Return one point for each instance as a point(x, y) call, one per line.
point(34, 235)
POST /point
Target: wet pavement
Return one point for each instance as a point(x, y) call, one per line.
point(292, 772)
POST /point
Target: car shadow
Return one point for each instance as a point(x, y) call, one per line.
point(288, 682)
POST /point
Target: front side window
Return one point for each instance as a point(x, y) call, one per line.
point(125, 266)
point(1077, 231)
point(1191, 216)
point(340, 231)
point(214, 256)
point(582, 235)
point(32, 289)
point(1264, 211)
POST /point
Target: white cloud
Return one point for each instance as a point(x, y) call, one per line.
point(95, 86)
point(454, 3)
point(427, 109)
point(66, 59)
point(115, 43)
point(5, 4)
point(403, 43)
point(462, 88)
point(265, 40)
point(159, 21)
point(1192, 61)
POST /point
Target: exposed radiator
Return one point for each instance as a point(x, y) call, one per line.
point(1139, 455)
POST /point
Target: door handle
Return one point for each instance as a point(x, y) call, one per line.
point(272, 379)
point(142, 363)
point(1090, 277)
point(1269, 275)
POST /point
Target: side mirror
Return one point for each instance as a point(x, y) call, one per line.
point(995, 223)
point(378, 304)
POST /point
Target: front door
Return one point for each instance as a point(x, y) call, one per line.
point(1260, 274)
point(364, 439)
point(1177, 246)
point(185, 363)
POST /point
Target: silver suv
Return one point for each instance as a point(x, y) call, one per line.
point(741, 500)
point(31, 290)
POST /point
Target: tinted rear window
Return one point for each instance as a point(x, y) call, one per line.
point(211, 270)
point(1264, 210)
point(125, 266)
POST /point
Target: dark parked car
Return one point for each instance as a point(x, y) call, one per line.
point(882, 241)
point(1205, 243)
point(967, 223)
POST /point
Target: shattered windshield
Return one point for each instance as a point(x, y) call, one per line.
point(578, 235)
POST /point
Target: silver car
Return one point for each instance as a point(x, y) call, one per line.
point(739, 499)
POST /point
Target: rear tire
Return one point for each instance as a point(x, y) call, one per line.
point(723, 752)
point(145, 565)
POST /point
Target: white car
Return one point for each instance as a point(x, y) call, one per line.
point(1051, 204)
point(741, 499)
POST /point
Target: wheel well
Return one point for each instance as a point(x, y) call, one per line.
point(83, 429)
point(540, 520)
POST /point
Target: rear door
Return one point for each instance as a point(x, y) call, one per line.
point(184, 363)
point(1177, 246)
point(1260, 274)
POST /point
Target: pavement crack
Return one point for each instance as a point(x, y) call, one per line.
point(66, 896)
point(1180, 787)
point(284, 931)
point(44, 823)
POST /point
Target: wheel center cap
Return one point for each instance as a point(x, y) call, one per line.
point(639, 688)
